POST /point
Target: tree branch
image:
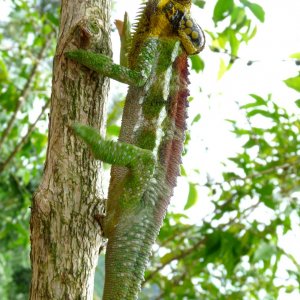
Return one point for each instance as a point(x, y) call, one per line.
point(175, 235)
point(24, 92)
point(200, 242)
point(24, 139)
point(175, 282)
point(249, 61)
point(179, 256)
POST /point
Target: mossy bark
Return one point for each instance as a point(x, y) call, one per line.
point(65, 238)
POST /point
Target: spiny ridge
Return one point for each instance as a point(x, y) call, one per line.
point(171, 147)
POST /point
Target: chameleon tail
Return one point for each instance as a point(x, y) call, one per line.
point(127, 255)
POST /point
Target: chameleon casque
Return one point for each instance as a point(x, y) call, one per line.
point(145, 160)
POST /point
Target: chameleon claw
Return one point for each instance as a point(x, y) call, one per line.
point(100, 219)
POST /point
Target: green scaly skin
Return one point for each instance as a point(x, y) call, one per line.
point(146, 158)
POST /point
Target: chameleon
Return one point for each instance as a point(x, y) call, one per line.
point(145, 160)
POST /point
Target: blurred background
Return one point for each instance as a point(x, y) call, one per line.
point(233, 228)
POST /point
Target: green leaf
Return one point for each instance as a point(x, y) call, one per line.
point(234, 43)
point(197, 63)
point(293, 83)
point(183, 171)
point(199, 3)
point(222, 10)
point(222, 69)
point(298, 102)
point(238, 16)
point(289, 289)
point(213, 243)
point(53, 18)
point(269, 202)
point(196, 119)
point(8, 98)
point(264, 252)
point(253, 33)
point(3, 71)
point(167, 258)
point(259, 101)
point(287, 225)
point(250, 143)
point(260, 112)
point(192, 197)
point(113, 130)
point(295, 55)
point(178, 217)
point(256, 9)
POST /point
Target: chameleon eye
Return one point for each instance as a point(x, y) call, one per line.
point(173, 15)
point(191, 35)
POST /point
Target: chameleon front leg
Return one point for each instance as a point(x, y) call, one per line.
point(140, 162)
point(105, 66)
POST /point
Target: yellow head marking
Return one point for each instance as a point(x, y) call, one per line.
point(194, 35)
point(189, 23)
point(188, 31)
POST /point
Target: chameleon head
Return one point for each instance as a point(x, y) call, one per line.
point(189, 32)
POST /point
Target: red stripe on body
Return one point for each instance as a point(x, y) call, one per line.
point(171, 150)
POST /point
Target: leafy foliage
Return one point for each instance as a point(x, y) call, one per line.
point(25, 73)
point(234, 253)
point(239, 28)
point(293, 82)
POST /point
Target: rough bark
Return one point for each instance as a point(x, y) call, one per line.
point(65, 238)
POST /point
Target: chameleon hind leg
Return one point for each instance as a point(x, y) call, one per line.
point(140, 162)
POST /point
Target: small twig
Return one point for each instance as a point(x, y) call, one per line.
point(258, 174)
point(24, 139)
point(176, 235)
point(200, 242)
point(24, 92)
point(174, 283)
point(179, 256)
point(249, 62)
point(291, 257)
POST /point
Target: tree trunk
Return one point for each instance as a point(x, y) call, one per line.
point(65, 238)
